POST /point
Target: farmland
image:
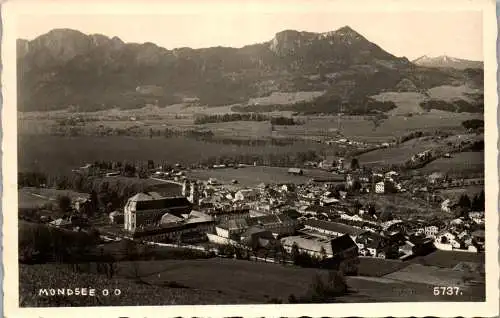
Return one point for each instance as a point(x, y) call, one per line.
point(29, 201)
point(182, 117)
point(206, 281)
point(252, 176)
point(397, 155)
point(285, 98)
point(409, 102)
point(402, 205)
point(448, 259)
point(459, 162)
point(430, 275)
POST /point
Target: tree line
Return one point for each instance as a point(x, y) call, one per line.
point(252, 116)
point(222, 118)
point(468, 204)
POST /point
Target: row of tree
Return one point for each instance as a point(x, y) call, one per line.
point(466, 204)
point(222, 118)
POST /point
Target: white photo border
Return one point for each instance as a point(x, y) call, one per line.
point(12, 10)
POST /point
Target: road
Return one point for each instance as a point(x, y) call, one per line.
point(166, 181)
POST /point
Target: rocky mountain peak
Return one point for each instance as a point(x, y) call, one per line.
point(287, 41)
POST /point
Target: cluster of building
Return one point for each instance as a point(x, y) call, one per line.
point(318, 219)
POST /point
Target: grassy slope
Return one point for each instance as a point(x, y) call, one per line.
point(464, 161)
point(252, 176)
point(216, 281)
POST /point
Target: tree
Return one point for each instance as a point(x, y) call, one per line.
point(464, 201)
point(354, 164)
point(390, 187)
point(356, 185)
point(324, 291)
point(478, 202)
point(104, 195)
point(64, 203)
point(371, 209)
point(323, 253)
point(94, 202)
point(386, 216)
point(151, 164)
point(473, 124)
point(295, 253)
point(357, 206)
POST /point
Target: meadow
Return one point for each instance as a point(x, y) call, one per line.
point(409, 102)
point(402, 205)
point(362, 128)
point(462, 162)
point(448, 259)
point(465, 161)
point(252, 176)
point(205, 281)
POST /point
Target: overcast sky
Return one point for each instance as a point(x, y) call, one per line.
point(411, 34)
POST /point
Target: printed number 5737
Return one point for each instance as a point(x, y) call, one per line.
point(447, 290)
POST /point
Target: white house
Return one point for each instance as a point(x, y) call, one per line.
point(431, 230)
point(380, 187)
point(446, 241)
point(445, 206)
point(391, 174)
point(246, 194)
point(326, 201)
point(477, 217)
point(231, 227)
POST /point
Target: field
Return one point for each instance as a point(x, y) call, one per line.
point(36, 197)
point(459, 162)
point(34, 277)
point(283, 98)
point(362, 128)
point(207, 281)
point(409, 102)
point(406, 102)
point(401, 204)
point(252, 176)
point(27, 200)
point(378, 267)
point(181, 116)
point(450, 93)
point(431, 275)
point(448, 259)
point(455, 193)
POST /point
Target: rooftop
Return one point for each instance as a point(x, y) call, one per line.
point(334, 227)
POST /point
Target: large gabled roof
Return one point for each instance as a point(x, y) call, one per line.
point(146, 196)
point(334, 227)
point(153, 200)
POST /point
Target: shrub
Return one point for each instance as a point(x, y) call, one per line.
point(323, 291)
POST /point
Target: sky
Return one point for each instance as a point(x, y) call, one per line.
point(411, 33)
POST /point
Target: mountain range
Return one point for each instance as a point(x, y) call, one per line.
point(447, 61)
point(66, 67)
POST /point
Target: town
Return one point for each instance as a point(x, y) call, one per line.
point(324, 218)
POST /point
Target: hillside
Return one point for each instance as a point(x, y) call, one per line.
point(64, 68)
point(445, 61)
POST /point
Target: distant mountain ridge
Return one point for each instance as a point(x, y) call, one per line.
point(66, 67)
point(447, 61)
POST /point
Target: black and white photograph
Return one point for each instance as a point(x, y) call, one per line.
point(254, 154)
